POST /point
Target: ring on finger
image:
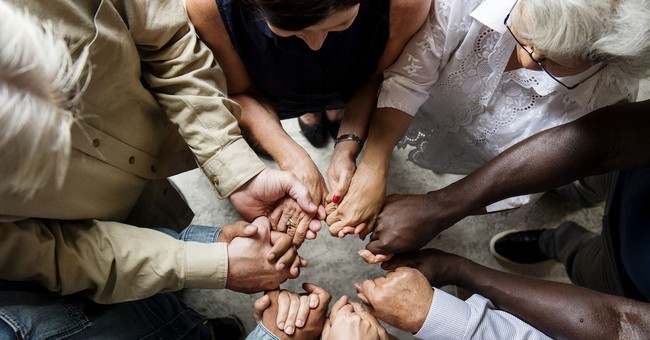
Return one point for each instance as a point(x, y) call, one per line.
point(291, 224)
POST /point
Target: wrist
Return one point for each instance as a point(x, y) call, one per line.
point(347, 138)
point(454, 204)
point(463, 266)
point(347, 150)
point(375, 165)
point(292, 158)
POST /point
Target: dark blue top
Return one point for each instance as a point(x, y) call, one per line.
point(629, 218)
point(296, 79)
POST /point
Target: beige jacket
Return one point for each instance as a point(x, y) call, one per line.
point(154, 90)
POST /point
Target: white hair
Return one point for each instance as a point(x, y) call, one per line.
point(615, 32)
point(39, 88)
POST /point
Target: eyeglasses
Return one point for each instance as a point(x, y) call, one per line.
point(541, 62)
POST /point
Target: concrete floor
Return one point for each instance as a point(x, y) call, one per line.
point(334, 263)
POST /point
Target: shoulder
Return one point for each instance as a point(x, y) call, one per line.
point(407, 16)
point(205, 16)
point(202, 12)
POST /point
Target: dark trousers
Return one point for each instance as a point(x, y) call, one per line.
point(585, 255)
point(615, 260)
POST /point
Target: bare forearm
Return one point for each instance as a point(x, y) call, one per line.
point(357, 117)
point(359, 109)
point(387, 127)
point(264, 130)
point(608, 139)
point(562, 311)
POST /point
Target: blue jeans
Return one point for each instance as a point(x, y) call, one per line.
point(29, 311)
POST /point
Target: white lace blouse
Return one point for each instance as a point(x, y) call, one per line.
point(451, 77)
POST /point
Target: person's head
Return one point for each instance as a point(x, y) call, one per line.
point(569, 36)
point(309, 20)
point(39, 83)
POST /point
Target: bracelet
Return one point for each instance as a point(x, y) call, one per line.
point(350, 137)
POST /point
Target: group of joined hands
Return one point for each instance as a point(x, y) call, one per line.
point(264, 253)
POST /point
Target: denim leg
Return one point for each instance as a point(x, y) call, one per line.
point(29, 311)
point(194, 233)
point(35, 313)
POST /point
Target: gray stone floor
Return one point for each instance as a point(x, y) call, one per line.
point(334, 263)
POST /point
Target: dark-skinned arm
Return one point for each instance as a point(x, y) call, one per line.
point(607, 139)
point(560, 310)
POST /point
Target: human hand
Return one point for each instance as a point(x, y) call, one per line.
point(304, 169)
point(236, 229)
point(408, 222)
point(282, 252)
point(440, 268)
point(340, 171)
point(288, 218)
point(259, 196)
point(371, 258)
point(358, 210)
point(402, 298)
point(292, 316)
point(250, 260)
point(348, 320)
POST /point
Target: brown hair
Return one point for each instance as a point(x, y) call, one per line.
point(295, 15)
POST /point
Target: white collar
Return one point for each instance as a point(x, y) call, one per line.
point(492, 13)
point(584, 92)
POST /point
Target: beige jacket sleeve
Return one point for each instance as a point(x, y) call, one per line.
point(183, 76)
point(108, 261)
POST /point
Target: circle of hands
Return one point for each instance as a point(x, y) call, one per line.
point(357, 205)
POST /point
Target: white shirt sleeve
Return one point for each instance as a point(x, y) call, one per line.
point(406, 83)
point(452, 318)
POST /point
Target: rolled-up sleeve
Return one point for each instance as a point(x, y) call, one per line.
point(108, 261)
point(408, 81)
point(183, 76)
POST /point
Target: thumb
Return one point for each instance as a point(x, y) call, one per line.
point(376, 246)
point(260, 306)
point(399, 261)
point(371, 258)
point(341, 188)
point(297, 190)
point(236, 229)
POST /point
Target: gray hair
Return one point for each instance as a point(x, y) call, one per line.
point(613, 32)
point(39, 87)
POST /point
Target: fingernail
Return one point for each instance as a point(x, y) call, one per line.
point(281, 325)
point(270, 256)
point(289, 330)
point(336, 198)
point(299, 323)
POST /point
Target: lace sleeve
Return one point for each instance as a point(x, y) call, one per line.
point(406, 83)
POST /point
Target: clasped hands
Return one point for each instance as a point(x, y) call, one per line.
point(401, 298)
point(395, 223)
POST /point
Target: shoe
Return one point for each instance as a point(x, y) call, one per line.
point(316, 135)
point(229, 327)
point(332, 127)
point(518, 246)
